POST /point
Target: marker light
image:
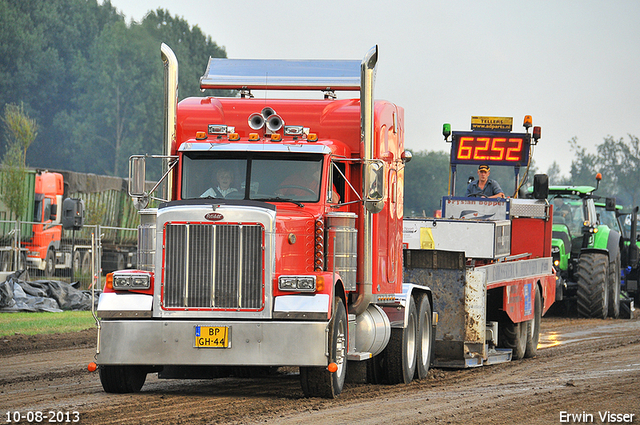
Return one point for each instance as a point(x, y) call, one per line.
point(536, 132)
point(92, 367)
point(332, 367)
point(234, 137)
point(108, 283)
point(275, 137)
point(201, 135)
point(599, 176)
point(446, 130)
point(528, 121)
point(253, 137)
point(312, 137)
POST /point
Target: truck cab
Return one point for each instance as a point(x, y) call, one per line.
point(41, 249)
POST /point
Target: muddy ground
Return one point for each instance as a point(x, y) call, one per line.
point(586, 367)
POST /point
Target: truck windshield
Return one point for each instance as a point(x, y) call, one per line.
point(267, 177)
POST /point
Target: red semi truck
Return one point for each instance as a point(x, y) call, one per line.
point(280, 241)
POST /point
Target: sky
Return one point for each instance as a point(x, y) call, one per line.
point(574, 66)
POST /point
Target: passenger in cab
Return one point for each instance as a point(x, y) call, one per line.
point(224, 178)
point(484, 187)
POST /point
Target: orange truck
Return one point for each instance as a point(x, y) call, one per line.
point(279, 240)
point(38, 239)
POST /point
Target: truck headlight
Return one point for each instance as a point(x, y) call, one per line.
point(297, 283)
point(131, 281)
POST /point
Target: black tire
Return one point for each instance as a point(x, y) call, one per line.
point(122, 264)
point(122, 379)
point(593, 290)
point(424, 338)
point(533, 326)
point(614, 287)
point(514, 336)
point(6, 261)
point(77, 259)
point(400, 353)
point(317, 381)
point(50, 264)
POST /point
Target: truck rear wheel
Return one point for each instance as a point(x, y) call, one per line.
point(514, 336)
point(614, 287)
point(533, 327)
point(400, 354)
point(122, 379)
point(317, 381)
point(593, 290)
point(424, 339)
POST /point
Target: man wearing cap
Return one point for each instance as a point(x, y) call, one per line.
point(484, 187)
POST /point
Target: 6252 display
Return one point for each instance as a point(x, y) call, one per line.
point(498, 148)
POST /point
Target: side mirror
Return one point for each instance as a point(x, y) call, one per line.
point(54, 212)
point(406, 156)
point(72, 214)
point(610, 204)
point(540, 186)
point(137, 170)
point(374, 186)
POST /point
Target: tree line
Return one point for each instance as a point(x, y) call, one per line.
point(94, 83)
point(91, 81)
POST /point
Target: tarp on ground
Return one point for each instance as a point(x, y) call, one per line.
point(42, 295)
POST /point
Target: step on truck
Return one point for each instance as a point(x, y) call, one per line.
point(487, 261)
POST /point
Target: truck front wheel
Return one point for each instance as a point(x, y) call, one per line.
point(593, 290)
point(122, 379)
point(50, 263)
point(318, 381)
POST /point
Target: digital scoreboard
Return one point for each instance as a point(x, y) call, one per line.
point(491, 148)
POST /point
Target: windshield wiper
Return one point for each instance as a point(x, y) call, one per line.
point(279, 199)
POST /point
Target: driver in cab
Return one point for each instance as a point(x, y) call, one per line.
point(484, 187)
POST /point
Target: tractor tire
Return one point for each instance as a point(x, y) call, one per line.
point(424, 339)
point(122, 379)
point(593, 290)
point(400, 353)
point(514, 336)
point(317, 381)
point(614, 287)
point(533, 327)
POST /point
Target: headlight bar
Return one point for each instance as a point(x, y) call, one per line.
point(297, 283)
point(127, 281)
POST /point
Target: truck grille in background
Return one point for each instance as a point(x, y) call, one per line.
point(213, 266)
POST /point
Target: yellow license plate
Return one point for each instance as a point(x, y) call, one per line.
point(213, 336)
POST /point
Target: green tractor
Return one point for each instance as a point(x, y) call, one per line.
point(625, 222)
point(586, 253)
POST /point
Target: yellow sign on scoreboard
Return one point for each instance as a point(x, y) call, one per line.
point(492, 123)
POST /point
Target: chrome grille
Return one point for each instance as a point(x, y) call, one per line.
point(213, 266)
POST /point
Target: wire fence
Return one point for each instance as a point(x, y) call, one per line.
point(47, 251)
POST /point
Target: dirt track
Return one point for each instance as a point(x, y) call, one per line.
point(583, 366)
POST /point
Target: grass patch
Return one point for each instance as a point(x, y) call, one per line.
point(45, 323)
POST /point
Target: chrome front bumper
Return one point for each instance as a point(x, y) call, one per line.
point(172, 342)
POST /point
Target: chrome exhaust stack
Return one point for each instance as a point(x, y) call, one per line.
point(170, 113)
point(367, 82)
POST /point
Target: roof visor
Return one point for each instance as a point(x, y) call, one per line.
point(263, 74)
